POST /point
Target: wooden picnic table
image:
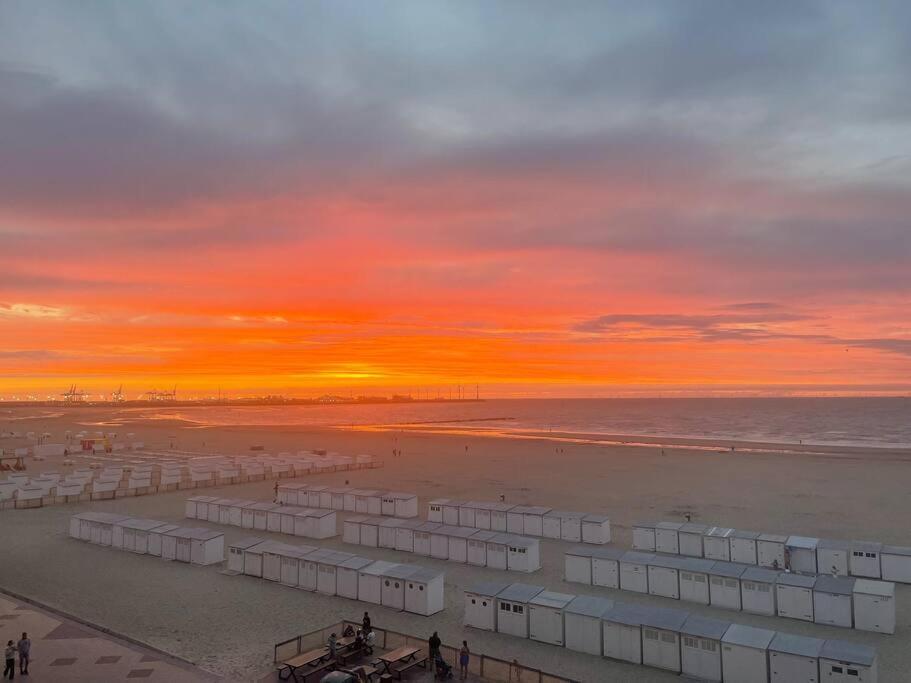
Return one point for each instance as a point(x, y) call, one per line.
point(407, 655)
point(312, 659)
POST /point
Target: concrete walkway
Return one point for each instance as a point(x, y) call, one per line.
point(65, 650)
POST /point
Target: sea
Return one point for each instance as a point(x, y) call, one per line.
point(883, 422)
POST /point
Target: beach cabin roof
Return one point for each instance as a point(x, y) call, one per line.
point(357, 520)
point(170, 527)
point(563, 514)
point(462, 532)
point(629, 615)
point(552, 599)
point(320, 555)
point(796, 580)
point(665, 618)
point(605, 553)
point(108, 517)
point(760, 574)
point(428, 526)
point(693, 528)
point(369, 492)
point(773, 538)
point(803, 542)
point(705, 627)
point(378, 568)
point(884, 588)
point(792, 644)
point(475, 505)
point(634, 557)
point(337, 558)
point(263, 507)
point(896, 550)
point(720, 532)
point(535, 510)
point(598, 519)
point(696, 564)
point(837, 585)
point(521, 509)
point(667, 561)
point(730, 569)
point(484, 535)
point(673, 526)
point(866, 546)
point(523, 541)
point(446, 530)
point(520, 592)
point(500, 538)
point(409, 524)
point(141, 524)
point(580, 551)
point(748, 636)
point(742, 533)
point(502, 507)
point(356, 563)
point(318, 513)
point(589, 606)
point(399, 495)
point(830, 544)
point(845, 651)
point(424, 575)
point(402, 571)
point(318, 488)
point(645, 525)
point(203, 534)
point(340, 489)
point(452, 503)
point(489, 589)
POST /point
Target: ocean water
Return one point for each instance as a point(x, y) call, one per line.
point(882, 422)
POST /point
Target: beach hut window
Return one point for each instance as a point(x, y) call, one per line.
point(749, 585)
point(709, 645)
point(650, 635)
point(685, 576)
point(518, 609)
point(717, 581)
point(869, 555)
point(668, 638)
point(852, 672)
point(483, 603)
point(837, 670)
point(690, 642)
point(504, 606)
point(387, 582)
point(698, 578)
point(730, 583)
point(764, 587)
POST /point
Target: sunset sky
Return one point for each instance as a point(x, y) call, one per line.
point(543, 198)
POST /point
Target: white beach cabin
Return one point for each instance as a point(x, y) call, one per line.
point(451, 511)
point(422, 535)
point(481, 605)
point(497, 551)
point(694, 580)
point(622, 632)
point(757, 591)
point(745, 654)
point(499, 516)
point(351, 530)
point(794, 593)
point(327, 572)
point(667, 537)
point(272, 561)
point(690, 539)
point(533, 522)
point(794, 658)
point(467, 513)
point(896, 563)
point(577, 565)
point(545, 617)
point(435, 510)
point(833, 600)
point(458, 543)
point(846, 662)
point(716, 544)
point(347, 576)
point(644, 536)
point(370, 532)
point(308, 569)
point(404, 534)
point(743, 546)
point(801, 554)
point(700, 647)
point(664, 576)
point(424, 592)
point(136, 534)
point(388, 530)
point(583, 619)
point(832, 557)
point(477, 547)
point(368, 502)
point(596, 529)
point(606, 567)
point(155, 539)
point(512, 609)
point(770, 550)
point(319, 524)
point(865, 561)
point(515, 519)
point(439, 541)
point(552, 524)
point(661, 637)
point(404, 504)
point(482, 515)
point(393, 589)
point(724, 585)
point(523, 554)
point(874, 606)
point(206, 547)
point(370, 581)
point(315, 498)
point(634, 571)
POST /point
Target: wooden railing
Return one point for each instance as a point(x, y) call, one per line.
point(484, 666)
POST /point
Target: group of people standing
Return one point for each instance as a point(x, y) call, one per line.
point(433, 648)
point(24, 648)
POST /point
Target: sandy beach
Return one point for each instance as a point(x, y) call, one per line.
point(228, 624)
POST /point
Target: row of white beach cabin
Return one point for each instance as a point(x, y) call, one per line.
point(263, 516)
point(149, 537)
point(347, 499)
point(863, 604)
point(406, 587)
point(863, 559)
point(456, 544)
point(527, 520)
point(670, 639)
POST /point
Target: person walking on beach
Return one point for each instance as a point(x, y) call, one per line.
point(433, 645)
point(10, 660)
point(25, 647)
point(333, 646)
point(464, 655)
point(365, 623)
